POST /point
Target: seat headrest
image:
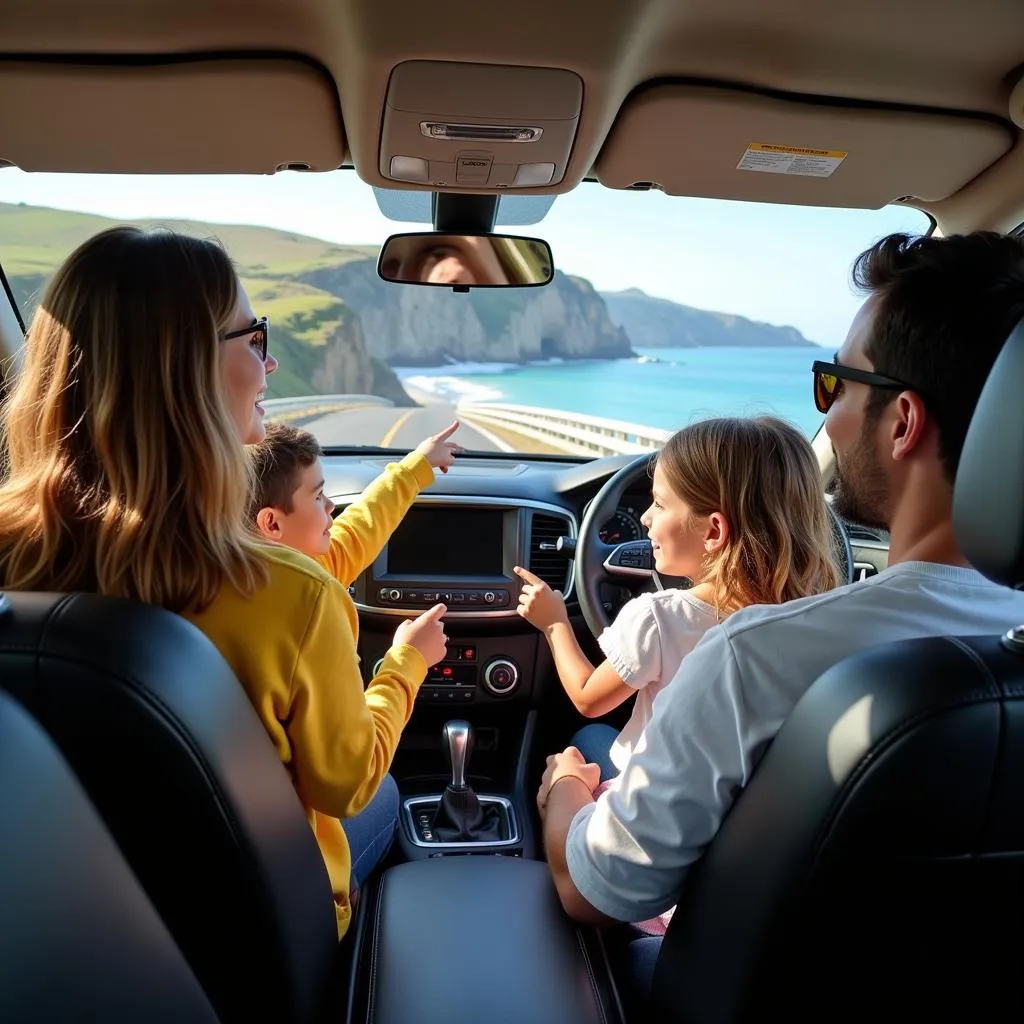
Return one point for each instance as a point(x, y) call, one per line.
point(988, 498)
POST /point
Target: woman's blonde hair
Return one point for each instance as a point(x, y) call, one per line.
point(125, 474)
point(762, 475)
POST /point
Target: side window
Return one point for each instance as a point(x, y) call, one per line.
point(12, 333)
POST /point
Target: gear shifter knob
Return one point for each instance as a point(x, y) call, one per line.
point(459, 816)
point(458, 738)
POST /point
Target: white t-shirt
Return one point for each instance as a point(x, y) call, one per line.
point(628, 853)
point(645, 644)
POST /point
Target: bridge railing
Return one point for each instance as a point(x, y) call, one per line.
point(573, 433)
point(310, 406)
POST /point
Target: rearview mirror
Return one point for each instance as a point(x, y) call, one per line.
point(461, 262)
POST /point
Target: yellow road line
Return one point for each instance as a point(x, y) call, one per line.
point(395, 427)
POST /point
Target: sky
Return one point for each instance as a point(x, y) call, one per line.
point(784, 265)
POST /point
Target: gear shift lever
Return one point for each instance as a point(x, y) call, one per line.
point(459, 817)
point(458, 737)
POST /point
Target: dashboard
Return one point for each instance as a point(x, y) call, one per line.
point(462, 550)
point(459, 544)
point(472, 525)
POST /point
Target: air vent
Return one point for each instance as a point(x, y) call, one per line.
point(551, 566)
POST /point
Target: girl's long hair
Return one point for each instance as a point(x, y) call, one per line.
point(762, 475)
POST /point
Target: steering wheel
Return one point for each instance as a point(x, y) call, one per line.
point(632, 564)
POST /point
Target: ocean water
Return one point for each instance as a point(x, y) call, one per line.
point(685, 384)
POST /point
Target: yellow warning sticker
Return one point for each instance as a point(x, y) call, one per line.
point(809, 163)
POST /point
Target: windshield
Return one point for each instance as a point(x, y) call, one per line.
point(662, 310)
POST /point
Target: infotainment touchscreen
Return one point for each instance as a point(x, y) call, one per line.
point(441, 542)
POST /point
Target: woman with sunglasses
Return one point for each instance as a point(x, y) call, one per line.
point(123, 443)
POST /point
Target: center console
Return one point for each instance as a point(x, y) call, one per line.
point(461, 940)
point(458, 820)
point(462, 551)
point(471, 671)
point(475, 940)
point(470, 924)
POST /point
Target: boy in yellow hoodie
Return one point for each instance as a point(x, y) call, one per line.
point(290, 507)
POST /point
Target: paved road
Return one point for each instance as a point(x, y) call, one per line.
point(393, 427)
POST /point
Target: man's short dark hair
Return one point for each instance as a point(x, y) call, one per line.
point(945, 308)
point(278, 462)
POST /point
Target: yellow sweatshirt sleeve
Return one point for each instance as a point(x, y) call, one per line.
point(361, 530)
point(343, 738)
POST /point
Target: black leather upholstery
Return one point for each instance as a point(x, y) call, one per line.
point(875, 862)
point(988, 502)
point(171, 752)
point(79, 941)
point(479, 940)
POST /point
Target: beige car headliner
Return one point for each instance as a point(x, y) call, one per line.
point(917, 94)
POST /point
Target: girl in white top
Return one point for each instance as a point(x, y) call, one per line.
point(737, 507)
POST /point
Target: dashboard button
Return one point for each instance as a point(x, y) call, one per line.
point(488, 597)
point(501, 676)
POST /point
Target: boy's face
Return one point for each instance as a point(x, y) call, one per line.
point(307, 527)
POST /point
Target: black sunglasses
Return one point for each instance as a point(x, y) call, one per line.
point(828, 379)
point(259, 327)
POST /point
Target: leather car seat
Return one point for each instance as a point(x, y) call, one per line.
point(80, 940)
point(167, 745)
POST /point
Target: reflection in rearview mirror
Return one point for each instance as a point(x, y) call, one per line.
point(462, 262)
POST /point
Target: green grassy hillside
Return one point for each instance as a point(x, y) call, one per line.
point(34, 241)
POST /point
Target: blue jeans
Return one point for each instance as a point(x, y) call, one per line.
point(371, 832)
point(641, 956)
point(594, 742)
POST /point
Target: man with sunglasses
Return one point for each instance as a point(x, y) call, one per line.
point(899, 398)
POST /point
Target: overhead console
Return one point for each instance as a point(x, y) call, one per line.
point(449, 125)
point(730, 143)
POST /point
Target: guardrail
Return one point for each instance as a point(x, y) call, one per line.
point(285, 410)
point(573, 433)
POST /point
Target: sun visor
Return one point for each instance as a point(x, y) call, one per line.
point(728, 144)
point(224, 116)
